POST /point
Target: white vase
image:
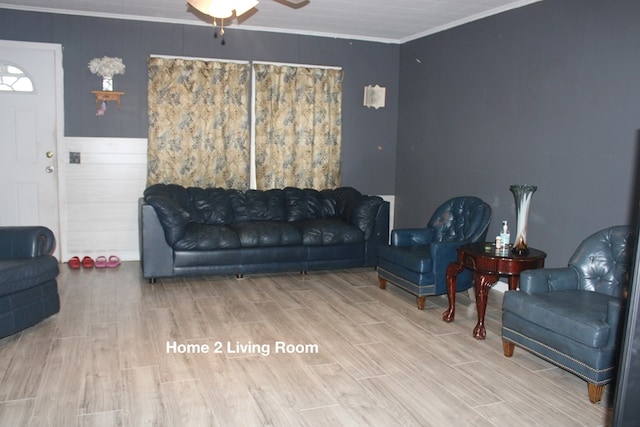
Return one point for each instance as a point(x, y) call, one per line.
point(107, 84)
point(522, 194)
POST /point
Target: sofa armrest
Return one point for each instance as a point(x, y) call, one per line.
point(363, 214)
point(547, 280)
point(172, 217)
point(156, 256)
point(379, 235)
point(411, 236)
point(26, 242)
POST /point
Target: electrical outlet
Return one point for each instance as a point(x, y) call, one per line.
point(74, 157)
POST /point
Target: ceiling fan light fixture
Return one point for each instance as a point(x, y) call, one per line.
point(223, 9)
point(243, 6)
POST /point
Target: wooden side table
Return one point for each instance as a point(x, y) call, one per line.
point(107, 95)
point(487, 264)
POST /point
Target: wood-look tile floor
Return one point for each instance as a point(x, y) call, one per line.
point(326, 349)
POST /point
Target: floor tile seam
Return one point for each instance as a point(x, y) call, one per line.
point(24, 399)
point(522, 386)
point(313, 408)
point(369, 377)
point(110, 322)
point(362, 344)
point(184, 380)
point(140, 367)
point(91, 414)
point(489, 405)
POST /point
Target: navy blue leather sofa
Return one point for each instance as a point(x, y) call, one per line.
point(28, 272)
point(215, 231)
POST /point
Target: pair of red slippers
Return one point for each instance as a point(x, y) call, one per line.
point(88, 262)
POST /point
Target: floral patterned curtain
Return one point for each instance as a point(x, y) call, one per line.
point(298, 126)
point(198, 123)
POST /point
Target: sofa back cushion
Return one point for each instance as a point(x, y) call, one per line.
point(177, 206)
point(306, 204)
point(211, 205)
point(256, 205)
point(176, 193)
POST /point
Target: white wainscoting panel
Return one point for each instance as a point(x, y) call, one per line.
point(99, 196)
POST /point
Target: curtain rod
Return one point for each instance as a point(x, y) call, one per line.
point(283, 64)
point(192, 58)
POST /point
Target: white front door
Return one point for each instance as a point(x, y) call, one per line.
point(30, 121)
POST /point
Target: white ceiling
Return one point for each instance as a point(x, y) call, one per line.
point(389, 21)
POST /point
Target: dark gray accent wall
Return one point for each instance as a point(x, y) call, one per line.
point(549, 95)
point(364, 165)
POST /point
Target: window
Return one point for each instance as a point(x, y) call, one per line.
point(13, 79)
point(200, 133)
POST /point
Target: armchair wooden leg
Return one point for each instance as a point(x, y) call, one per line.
point(383, 282)
point(421, 302)
point(595, 392)
point(508, 348)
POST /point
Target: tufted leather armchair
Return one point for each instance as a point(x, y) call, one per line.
point(28, 272)
point(417, 258)
point(572, 316)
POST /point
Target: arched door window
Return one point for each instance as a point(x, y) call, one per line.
point(13, 79)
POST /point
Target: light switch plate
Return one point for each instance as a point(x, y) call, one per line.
point(74, 157)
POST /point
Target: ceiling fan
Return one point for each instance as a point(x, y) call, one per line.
point(294, 3)
point(225, 9)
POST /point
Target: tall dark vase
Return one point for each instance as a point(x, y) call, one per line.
point(522, 194)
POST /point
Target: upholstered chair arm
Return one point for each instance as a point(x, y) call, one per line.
point(446, 250)
point(411, 236)
point(615, 309)
point(26, 242)
point(546, 280)
point(443, 254)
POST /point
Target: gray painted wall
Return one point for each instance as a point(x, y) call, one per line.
point(549, 95)
point(364, 166)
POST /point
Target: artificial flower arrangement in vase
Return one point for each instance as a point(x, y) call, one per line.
point(522, 194)
point(107, 67)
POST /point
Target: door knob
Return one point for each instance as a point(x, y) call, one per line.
point(49, 154)
point(50, 169)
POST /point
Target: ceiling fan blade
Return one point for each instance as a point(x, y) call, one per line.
point(294, 3)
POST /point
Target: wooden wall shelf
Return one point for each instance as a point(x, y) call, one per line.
point(105, 95)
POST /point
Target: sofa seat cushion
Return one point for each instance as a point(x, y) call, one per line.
point(267, 233)
point(578, 315)
point(23, 273)
point(207, 237)
point(328, 231)
point(415, 258)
